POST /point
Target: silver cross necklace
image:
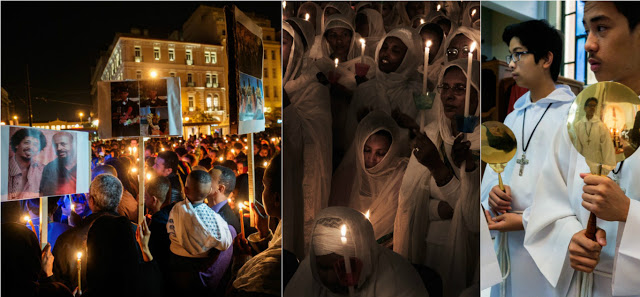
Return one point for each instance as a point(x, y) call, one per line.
point(523, 160)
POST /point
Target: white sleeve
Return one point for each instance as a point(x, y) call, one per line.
point(626, 265)
point(551, 219)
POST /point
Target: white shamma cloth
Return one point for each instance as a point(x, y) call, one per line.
point(384, 273)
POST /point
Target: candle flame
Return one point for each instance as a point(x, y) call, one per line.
point(246, 203)
point(421, 21)
point(240, 206)
point(473, 12)
point(284, 4)
point(362, 41)
point(73, 207)
point(79, 255)
point(148, 176)
point(336, 60)
point(428, 43)
point(246, 147)
point(233, 151)
point(273, 139)
point(366, 215)
point(343, 230)
point(134, 170)
point(265, 164)
point(438, 9)
point(162, 149)
point(27, 218)
point(229, 200)
point(473, 47)
point(306, 17)
point(221, 159)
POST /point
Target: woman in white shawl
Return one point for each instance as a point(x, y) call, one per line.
point(340, 41)
point(379, 169)
point(306, 116)
point(471, 15)
point(378, 271)
point(340, 8)
point(315, 15)
point(459, 40)
point(443, 168)
point(370, 26)
point(433, 33)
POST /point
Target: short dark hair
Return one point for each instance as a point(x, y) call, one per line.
point(200, 176)
point(630, 11)
point(103, 169)
point(589, 100)
point(433, 27)
point(273, 173)
point(230, 164)
point(158, 187)
point(227, 178)
point(540, 38)
point(150, 148)
point(206, 163)
point(238, 146)
point(181, 151)
point(21, 134)
point(170, 160)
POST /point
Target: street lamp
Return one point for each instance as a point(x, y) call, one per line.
point(81, 115)
point(154, 74)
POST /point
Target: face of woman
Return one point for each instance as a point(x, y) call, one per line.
point(453, 93)
point(391, 54)
point(362, 25)
point(375, 149)
point(435, 43)
point(327, 273)
point(339, 40)
point(287, 42)
point(460, 43)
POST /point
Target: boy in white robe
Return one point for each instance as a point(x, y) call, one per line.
point(566, 194)
point(535, 65)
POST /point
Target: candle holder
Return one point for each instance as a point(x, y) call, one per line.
point(362, 69)
point(466, 124)
point(424, 100)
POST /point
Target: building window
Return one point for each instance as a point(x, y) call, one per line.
point(209, 82)
point(137, 54)
point(189, 77)
point(156, 53)
point(138, 74)
point(266, 93)
point(268, 37)
point(266, 73)
point(223, 32)
point(207, 57)
point(274, 72)
point(214, 57)
point(189, 58)
point(191, 107)
point(265, 54)
point(172, 74)
point(214, 80)
point(216, 102)
point(172, 54)
point(275, 92)
point(273, 55)
point(209, 103)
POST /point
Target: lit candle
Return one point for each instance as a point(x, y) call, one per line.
point(135, 149)
point(148, 176)
point(220, 159)
point(366, 215)
point(438, 8)
point(347, 262)
point(80, 272)
point(130, 150)
point(233, 151)
point(134, 170)
point(241, 220)
point(33, 228)
point(473, 12)
point(336, 60)
point(162, 149)
point(246, 147)
point(426, 67)
point(265, 164)
point(273, 139)
point(421, 21)
point(364, 43)
point(306, 17)
point(284, 4)
point(466, 98)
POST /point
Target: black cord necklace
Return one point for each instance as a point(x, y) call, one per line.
point(523, 160)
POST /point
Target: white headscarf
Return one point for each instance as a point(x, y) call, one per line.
point(294, 66)
point(340, 21)
point(466, 16)
point(471, 33)
point(362, 4)
point(435, 66)
point(376, 189)
point(383, 273)
point(319, 16)
point(344, 9)
point(376, 30)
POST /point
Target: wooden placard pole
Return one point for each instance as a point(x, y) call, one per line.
point(251, 177)
point(141, 177)
point(44, 221)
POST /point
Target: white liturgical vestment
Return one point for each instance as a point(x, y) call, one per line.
point(525, 279)
point(557, 215)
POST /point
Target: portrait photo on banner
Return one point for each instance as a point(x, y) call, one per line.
point(40, 163)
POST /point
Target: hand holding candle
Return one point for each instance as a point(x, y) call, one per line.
point(347, 261)
point(33, 228)
point(468, 89)
point(79, 256)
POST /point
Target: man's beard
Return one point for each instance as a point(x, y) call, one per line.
point(25, 159)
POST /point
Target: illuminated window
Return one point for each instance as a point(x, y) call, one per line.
point(273, 55)
point(207, 57)
point(266, 93)
point(189, 77)
point(172, 74)
point(172, 54)
point(214, 80)
point(189, 57)
point(575, 57)
point(216, 101)
point(156, 53)
point(191, 107)
point(137, 54)
point(209, 103)
point(214, 57)
point(209, 82)
point(138, 74)
point(266, 73)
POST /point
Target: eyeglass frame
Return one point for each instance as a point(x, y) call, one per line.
point(465, 49)
point(518, 56)
point(461, 90)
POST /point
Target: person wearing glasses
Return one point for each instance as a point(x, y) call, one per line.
point(458, 44)
point(567, 192)
point(441, 232)
point(535, 59)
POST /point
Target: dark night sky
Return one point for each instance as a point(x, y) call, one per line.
point(61, 42)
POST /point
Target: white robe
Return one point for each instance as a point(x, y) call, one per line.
point(557, 215)
point(525, 277)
